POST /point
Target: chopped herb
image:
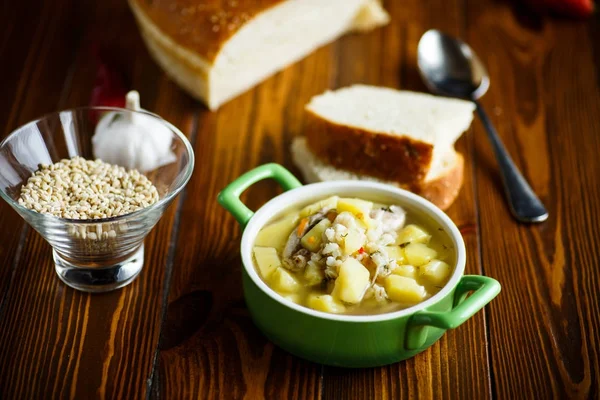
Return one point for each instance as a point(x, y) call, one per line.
point(386, 209)
point(441, 229)
point(403, 245)
point(344, 235)
point(445, 247)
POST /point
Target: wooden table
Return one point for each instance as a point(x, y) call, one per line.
point(181, 330)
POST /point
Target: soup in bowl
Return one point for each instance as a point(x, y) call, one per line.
point(353, 256)
point(352, 274)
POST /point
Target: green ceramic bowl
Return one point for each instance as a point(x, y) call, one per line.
point(350, 340)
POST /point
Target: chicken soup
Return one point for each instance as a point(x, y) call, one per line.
point(351, 256)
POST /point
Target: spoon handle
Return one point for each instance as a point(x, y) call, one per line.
point(524, 204)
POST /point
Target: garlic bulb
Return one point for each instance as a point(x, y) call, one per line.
point(134, 141)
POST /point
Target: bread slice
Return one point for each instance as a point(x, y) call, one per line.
point(393, 135)
point(440, 187)
point(217, 49)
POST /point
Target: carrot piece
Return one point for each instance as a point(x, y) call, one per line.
point(301, 226)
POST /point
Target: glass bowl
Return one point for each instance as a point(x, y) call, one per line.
point(93, 255)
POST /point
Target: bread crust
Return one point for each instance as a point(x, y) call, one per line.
point(396, 158)
point(441, 191)
point(202, 26)
point(444, 190)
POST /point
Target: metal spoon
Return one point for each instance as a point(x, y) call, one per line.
point(448, 66)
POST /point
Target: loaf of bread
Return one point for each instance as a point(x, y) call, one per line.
point(401, 138)
point(217, 49)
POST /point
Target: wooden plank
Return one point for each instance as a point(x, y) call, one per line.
point(56, 342)
point(15, 84)
point(207, 282)
point(210, 347)
point(456, 366)
point(544, 100)
point(27, 65)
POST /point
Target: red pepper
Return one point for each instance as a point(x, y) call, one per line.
point(109, 90)
point(573, 8)
point(361, 250)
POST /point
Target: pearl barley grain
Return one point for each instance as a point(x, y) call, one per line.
point(84, 189)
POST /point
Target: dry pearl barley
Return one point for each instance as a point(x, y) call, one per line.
point(86, 189)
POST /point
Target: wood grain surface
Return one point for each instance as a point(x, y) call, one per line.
point(544, 331)
point(182, 330)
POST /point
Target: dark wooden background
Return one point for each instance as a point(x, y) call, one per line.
point(182, 330)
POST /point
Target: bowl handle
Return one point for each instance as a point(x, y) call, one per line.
point(229, 198)
point(484, 290)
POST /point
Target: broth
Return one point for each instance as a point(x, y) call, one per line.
point(351, 256)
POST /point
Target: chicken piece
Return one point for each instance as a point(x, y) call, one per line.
point(392, 218)
point(380, 293)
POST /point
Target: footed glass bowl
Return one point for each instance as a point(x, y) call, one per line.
point(97, 255)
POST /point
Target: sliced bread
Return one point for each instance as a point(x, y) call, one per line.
point(440, 188)
point(393, 135)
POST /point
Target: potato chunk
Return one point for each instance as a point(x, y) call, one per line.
point(326, 303)
point(276, 234)
point(412, 234)
point(359, 223)
point(404, 290)
point(436, 272)
point(313, 274)
point(267, 260)
point(352, 281)
point(283, 281)
point(293, 297)
point(353, 241)
point(418, 254)
point(312, 239)
point(406, 270)
point(311, 209)
point(360, 208)
point(395, 253)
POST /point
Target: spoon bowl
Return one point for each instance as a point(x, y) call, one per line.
point(448, 66)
